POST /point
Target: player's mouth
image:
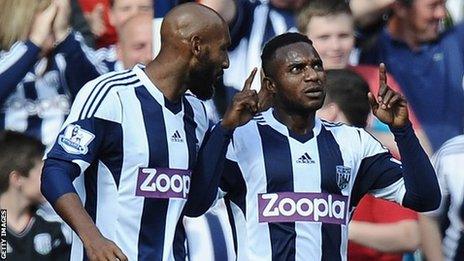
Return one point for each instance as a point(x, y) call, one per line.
point(314, 92)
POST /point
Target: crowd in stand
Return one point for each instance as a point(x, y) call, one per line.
point(49, 49)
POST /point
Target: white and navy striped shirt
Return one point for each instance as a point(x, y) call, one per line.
point(36, 93)
point(448, 163)
point(291, 196)
point(136, 151)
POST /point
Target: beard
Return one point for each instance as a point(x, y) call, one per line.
point(202, 81)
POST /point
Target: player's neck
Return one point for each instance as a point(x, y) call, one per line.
point(167, 77)
point(297, 121)
point(19, 211)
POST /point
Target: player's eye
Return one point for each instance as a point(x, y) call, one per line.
point(318, 67)
point(297, 68)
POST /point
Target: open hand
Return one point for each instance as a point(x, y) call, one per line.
point(390, 107)
point(42, 26)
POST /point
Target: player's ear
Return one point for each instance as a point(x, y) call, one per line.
point(196, 46)
point(269, 84)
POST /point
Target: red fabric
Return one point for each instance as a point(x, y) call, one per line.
point(109, 37)
point(370, 74)
point(374, 210)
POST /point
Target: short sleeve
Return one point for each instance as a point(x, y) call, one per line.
point(92, 115)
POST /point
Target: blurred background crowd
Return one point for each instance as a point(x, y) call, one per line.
point(50, 48)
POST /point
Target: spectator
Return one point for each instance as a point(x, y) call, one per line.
point(107, 16)
point(138, 37)
point(42, 66)
point(122, 10)
point(135, 41)
point(425, 61)
point(29, 236)
point(96, 12)
point(379, 230)
point(448, 165)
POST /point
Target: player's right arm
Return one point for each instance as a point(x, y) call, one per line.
point(97, 247)
point(75, 149)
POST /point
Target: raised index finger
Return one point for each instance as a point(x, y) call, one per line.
point(249, 80)
point(382, 81)
point(382, 74)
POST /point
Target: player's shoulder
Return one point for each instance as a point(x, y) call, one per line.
point(258, 119)
point(116, 78)
point(339, 128)
point(253, 128)
point(347, 135)
point(107, 82)
point(99, 96)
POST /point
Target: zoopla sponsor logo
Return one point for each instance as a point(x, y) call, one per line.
point(163, 183)
point(297, 206)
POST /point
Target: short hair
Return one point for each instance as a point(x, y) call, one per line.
point(277, 42)
point(349, 91)
point(321, 8)
point(18, 152)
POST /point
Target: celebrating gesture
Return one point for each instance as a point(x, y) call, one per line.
point(244, 105)
point(390, 107)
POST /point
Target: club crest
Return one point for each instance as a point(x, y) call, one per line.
point(343, 176)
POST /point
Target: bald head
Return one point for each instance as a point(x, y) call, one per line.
point(194, 42)
point(190, 19)
point(135, 41)
point(139, 24)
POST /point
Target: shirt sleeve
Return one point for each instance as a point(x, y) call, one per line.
point(80, 140)
point(413, 184)
point(207, 172)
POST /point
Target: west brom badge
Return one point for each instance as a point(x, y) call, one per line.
point(343, 176)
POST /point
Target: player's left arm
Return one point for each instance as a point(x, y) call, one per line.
point(422, 192)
